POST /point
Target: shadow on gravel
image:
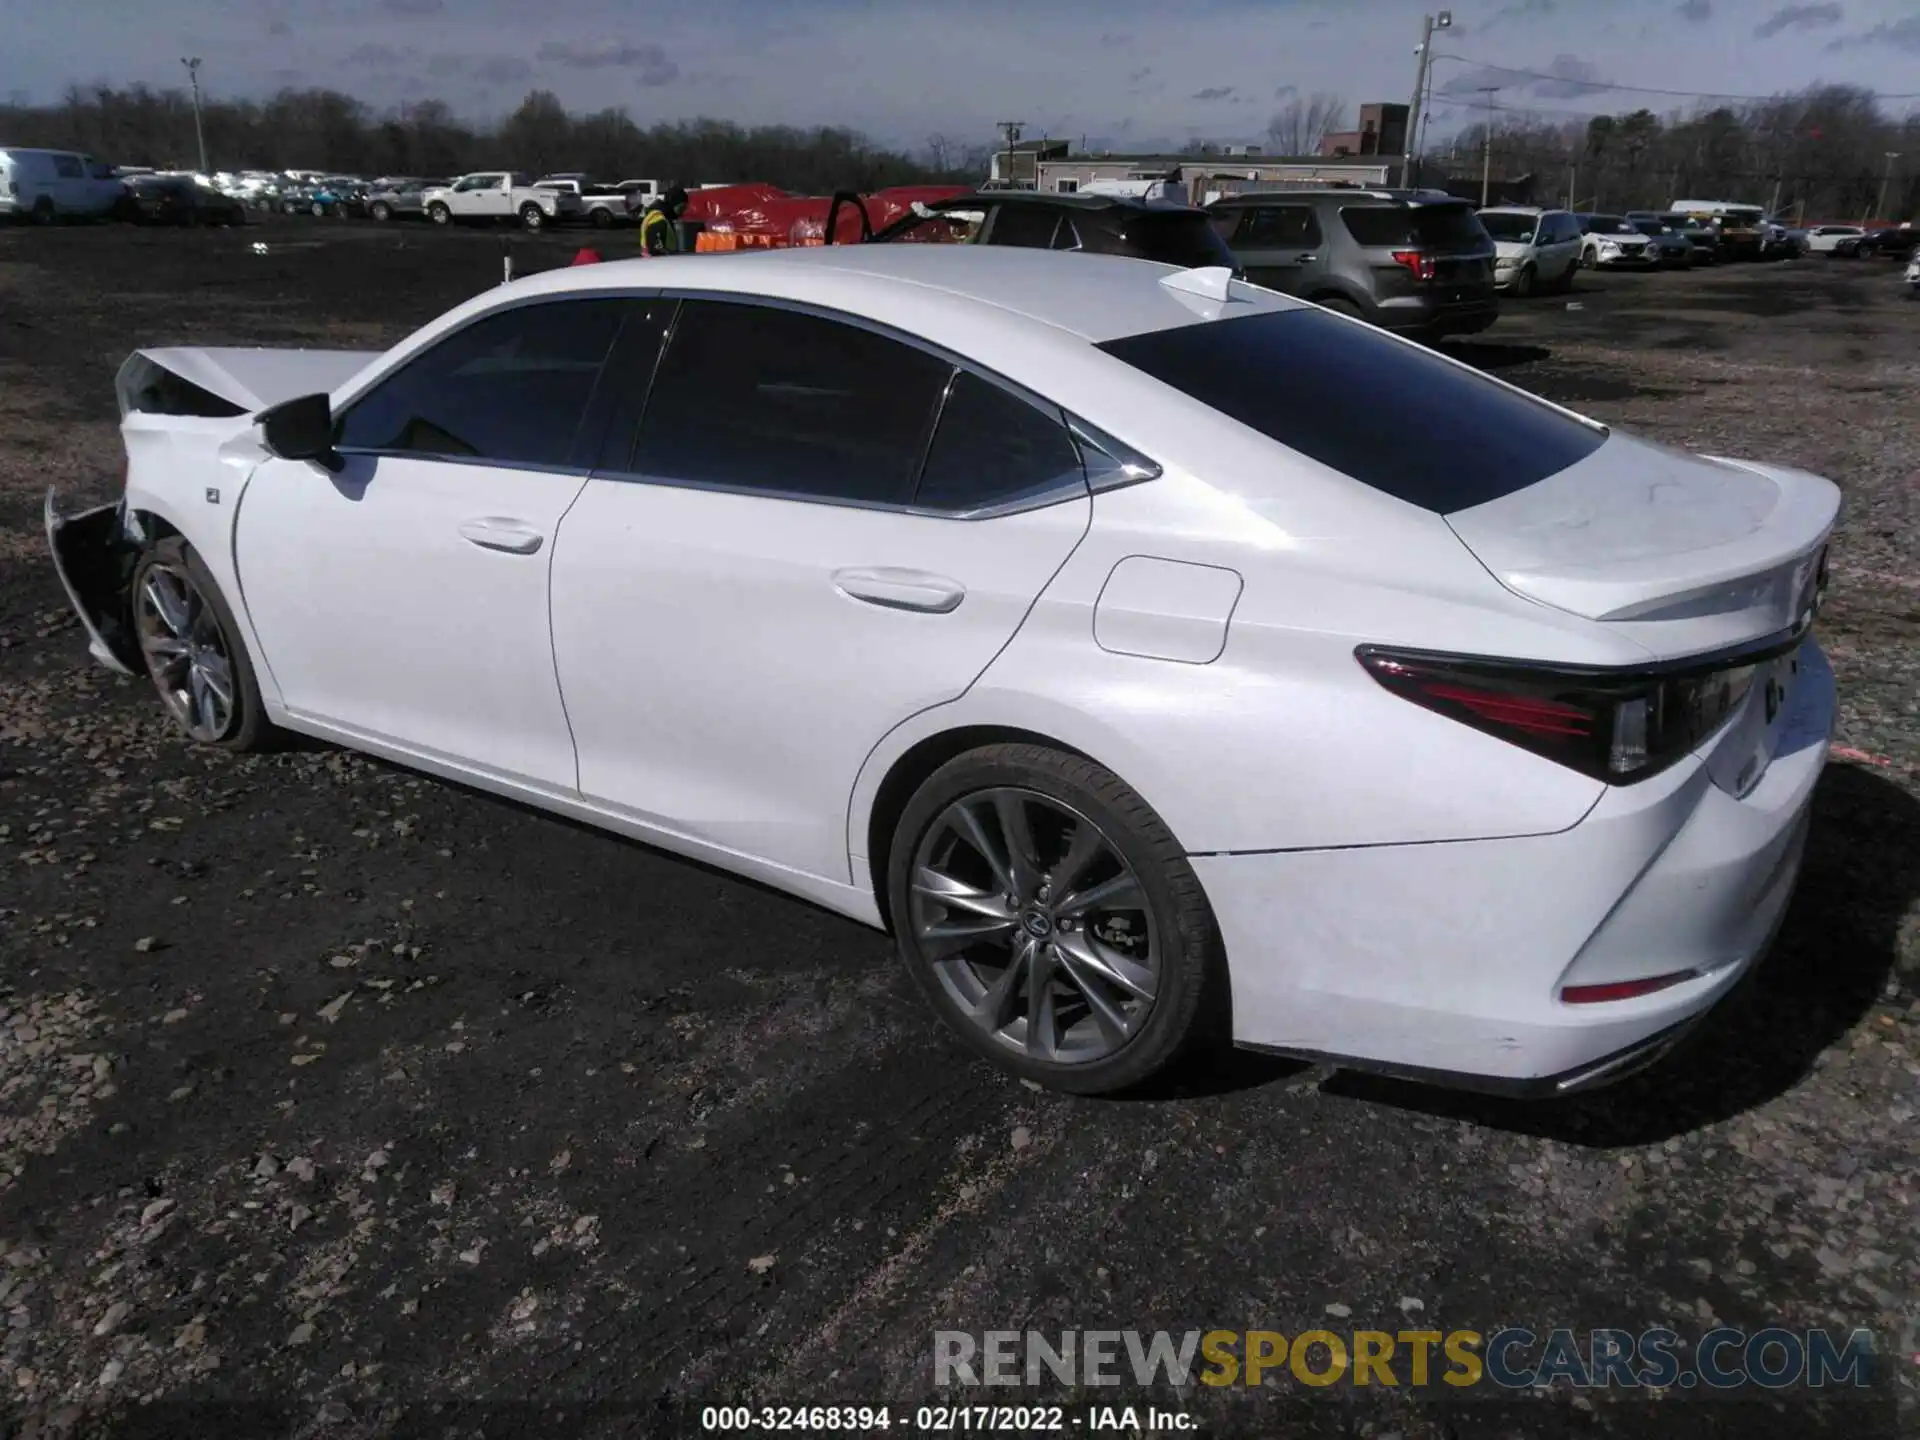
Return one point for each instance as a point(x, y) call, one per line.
point(1836, 954)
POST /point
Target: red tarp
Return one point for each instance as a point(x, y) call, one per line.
point(784, 219)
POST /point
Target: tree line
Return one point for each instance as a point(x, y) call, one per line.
point(1820, 154)
point(322, 129)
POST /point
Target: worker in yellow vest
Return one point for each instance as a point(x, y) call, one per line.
point(659, 227)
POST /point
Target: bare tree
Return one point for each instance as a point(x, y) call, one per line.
point(1298, 127)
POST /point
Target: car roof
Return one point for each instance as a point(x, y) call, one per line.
point(925, 288)
point(1516, 210)
point(1069, 200)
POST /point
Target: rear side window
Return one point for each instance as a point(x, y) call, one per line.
point(1027, 225)
point(1174, 237)
point(760, 398)
point(994, 448)
point(68, 167)
point(1433, 227)
point(510, 388)
point(1386, 413)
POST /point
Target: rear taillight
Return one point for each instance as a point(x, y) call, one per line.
point(1419, 264)
point(1615, 727)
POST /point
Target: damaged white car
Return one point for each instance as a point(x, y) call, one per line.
point(1075, 617)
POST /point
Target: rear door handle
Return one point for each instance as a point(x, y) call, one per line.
point(901, 589)
point(1305, 259)
point(496, 532)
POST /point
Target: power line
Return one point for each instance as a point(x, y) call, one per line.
point(1597, 85)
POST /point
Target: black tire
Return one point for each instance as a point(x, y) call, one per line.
point(249, 728)
point(438, 213)
point(1523, 283)
point(1189, 1010)
point(532, 216)
point(380, 211)
point(43, 211)
point(602, 217)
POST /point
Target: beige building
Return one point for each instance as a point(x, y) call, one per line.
point(1205, 177)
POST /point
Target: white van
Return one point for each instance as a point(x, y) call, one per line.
point(47, 184)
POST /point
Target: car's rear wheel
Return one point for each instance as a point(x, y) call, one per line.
point(43, 211)
point(602, 217)
point(1339, 306)
point(532, 216)
point(1051, 918)
point(193, 651)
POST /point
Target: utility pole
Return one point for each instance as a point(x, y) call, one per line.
point(1573, 174)
point(1880, 206)
point(199, 135)
point(1012, 127)
point(1429, 24)
point(1486, 157)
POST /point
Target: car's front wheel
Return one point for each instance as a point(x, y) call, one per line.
point(193, 651)
point(439, 214)
point(1523, 283)
point(1051, 918)
point(380, 210)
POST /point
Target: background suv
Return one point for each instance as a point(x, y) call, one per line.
point(1535, 247)
point(1614, 240)
point(1418, 262)
point(1098, 224)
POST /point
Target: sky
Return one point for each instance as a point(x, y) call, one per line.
point(1124, 74)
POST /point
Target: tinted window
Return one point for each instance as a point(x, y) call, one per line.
point(1277, 226)
point(1067, 237)
point(1029, 225)
point(992, 447)
point(1173, 237)
point(1320, 385)
point(511, 387)
point(770, 399)
point(1518, 228)
point(1439, 227)
point(1609, 225)
point(68, 167)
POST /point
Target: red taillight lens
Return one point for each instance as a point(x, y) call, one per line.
point(1614, 727)
point(1621, 989)
point(1419, 264)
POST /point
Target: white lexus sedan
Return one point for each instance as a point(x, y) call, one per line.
point(1165, 661)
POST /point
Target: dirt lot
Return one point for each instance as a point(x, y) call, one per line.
point(334, 1100)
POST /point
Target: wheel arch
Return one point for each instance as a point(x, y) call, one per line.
point(908, 771)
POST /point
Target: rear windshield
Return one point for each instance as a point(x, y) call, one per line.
point(1433, 227)
point(1384, 412)
point(1509, 227)
point(1176, 237)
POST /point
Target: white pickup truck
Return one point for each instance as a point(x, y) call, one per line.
point(499, 195)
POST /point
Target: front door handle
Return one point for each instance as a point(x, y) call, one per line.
point(495, 532)
point(900, 589)
point(1305, 259)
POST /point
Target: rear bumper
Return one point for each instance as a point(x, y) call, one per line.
point(1445, 962)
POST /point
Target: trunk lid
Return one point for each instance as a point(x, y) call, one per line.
point(1687, 553)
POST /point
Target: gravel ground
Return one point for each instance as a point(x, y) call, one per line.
point(335, 1100)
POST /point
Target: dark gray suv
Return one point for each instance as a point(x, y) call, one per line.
point(1417, 262)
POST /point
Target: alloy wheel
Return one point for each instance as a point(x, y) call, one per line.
point(186, 652)
point(1035, 926)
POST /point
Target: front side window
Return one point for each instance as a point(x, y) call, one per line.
point(510, 388)
point(762, 398)
point(994, 448)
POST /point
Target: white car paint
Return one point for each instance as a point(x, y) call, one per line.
point(497, 195)
point(1825, 239)
point(55, 183)
point(696, 668)
point(1551, 260)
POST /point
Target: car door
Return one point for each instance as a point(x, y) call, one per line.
point(469, 196)
point(1564, 247)
point(403, 599)
point(820, 531)
point(1280, 245)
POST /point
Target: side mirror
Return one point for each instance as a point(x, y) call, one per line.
point(300, 429)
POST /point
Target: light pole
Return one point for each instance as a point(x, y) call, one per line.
point(199, 135)
point(1012, 127)
point(1880, 206)
point(1486, 158)
point(1431, 23)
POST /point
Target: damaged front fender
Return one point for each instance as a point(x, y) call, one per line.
point(95, 555)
